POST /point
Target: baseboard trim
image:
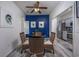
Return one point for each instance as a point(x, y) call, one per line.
point(10, 52)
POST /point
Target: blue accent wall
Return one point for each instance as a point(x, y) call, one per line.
point(38, 18)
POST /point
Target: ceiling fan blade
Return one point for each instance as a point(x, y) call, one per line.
point(37, 3)
point(36, 7)
point(29, 6)
point(42, 7)
point(32, 11)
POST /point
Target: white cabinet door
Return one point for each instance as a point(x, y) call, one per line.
point(65, 35)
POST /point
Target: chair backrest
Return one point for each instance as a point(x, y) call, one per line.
point(23, 37)
point(36, 44)
point(37, 33)
point(52, 38)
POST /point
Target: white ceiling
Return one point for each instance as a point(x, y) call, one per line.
point(50, 4)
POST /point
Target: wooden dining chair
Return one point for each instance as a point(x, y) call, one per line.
point(50, 43)
point(24, 42)
point(36, 44)
point(37, 33)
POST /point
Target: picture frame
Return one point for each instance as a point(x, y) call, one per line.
point(41, 24)
point(33, 24)
point(6, 20)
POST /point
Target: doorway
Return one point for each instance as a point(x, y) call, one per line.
point(65, 30)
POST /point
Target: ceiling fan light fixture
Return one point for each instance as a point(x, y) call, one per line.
point(36, 9)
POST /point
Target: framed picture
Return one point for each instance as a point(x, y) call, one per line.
point(5, 18)
point(77, 9)
point(33, 24)
point(41, 24)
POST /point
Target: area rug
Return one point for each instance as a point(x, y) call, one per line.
point(17, 53)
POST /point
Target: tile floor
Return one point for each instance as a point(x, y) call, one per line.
point(62, 49)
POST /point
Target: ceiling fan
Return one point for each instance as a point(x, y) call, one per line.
point(36, 7)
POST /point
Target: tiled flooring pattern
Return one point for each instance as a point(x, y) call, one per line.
point(62, 49)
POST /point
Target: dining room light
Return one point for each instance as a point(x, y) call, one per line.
point(36, 9)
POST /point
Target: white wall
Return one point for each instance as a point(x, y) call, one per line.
point(26, 27)
point(61, 7)
point(53, 26)
point(9, 37)
point(76, 36)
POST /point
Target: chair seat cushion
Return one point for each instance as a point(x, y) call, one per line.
point(26, 42)
point(48, 42)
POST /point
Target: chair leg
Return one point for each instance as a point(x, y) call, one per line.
point(40, 54)
point(48, 50)
point(53, 49)
point(29, 53)
point(21, 51)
